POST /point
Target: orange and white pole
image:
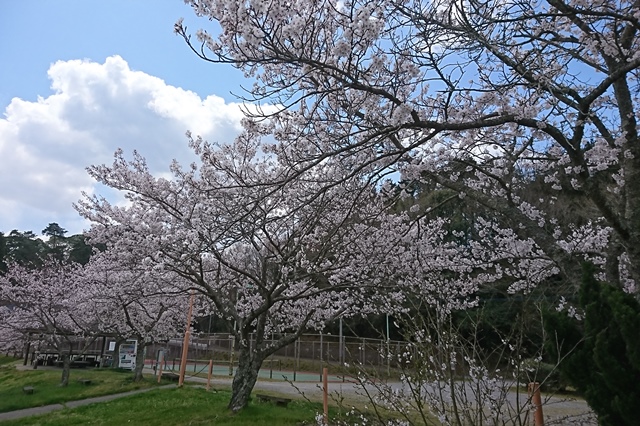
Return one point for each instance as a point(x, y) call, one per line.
point(536, 400)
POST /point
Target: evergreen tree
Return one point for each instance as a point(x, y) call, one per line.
point(603, 351)
point(3, 254)
point(55, 243)
point(24, 248)
point(79, 250)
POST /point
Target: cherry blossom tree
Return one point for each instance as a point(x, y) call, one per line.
point(131, 302)
point(48, 305)
point(264, 254)
point(433, 279)
point(276, 259)
point(483, 98)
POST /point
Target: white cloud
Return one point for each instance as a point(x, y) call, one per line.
point(95, 109)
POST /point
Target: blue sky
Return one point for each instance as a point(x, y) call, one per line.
point(79, 79)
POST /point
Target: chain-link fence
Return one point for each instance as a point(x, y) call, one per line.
point(308, 353)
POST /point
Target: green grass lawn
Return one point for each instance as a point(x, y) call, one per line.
point(4, 360)
point(45, 382)
point(186, 406)
point(189, 405)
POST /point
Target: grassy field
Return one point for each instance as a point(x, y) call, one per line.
point(45, 383)
point(4, 360)
point(186, 406)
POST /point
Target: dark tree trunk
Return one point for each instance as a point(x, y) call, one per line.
point(66, 369)
point(104, 344)
point(251, 357)
point(137, 371)
point(249, 363)
point(26, 351)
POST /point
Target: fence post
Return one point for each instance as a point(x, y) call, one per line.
point(340, 346)
point(388, 357)
point(325, 396)
point(295, 358)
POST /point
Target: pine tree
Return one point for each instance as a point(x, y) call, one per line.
point(55, 246)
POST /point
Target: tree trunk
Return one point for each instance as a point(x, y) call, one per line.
point(249, 364)
point(102, 350)
point(26, 351)
point(115, 363)
point(137, 371)
point(66, 369)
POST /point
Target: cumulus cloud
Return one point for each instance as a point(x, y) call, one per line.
point(95, 108)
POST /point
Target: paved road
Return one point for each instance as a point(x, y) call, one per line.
point(558, 410)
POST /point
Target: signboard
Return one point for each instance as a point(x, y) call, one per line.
point(127, 354)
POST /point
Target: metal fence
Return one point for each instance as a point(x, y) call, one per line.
point(308, 352)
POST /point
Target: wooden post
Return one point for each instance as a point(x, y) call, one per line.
point(185, 343)
point(536, 400)
point(325, 395)
point(209, 375)
point(160, 366)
